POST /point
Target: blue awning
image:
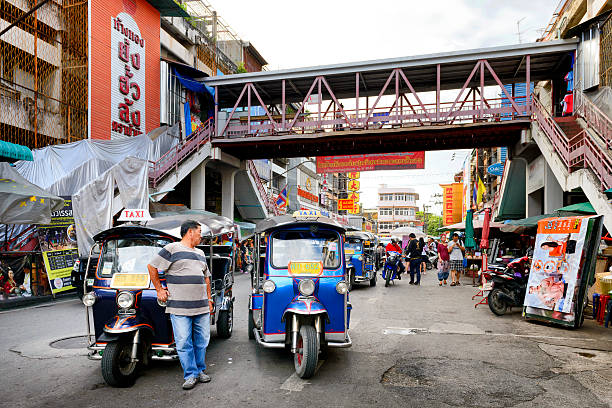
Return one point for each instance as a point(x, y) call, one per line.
point(13, 152)
point(191, 83)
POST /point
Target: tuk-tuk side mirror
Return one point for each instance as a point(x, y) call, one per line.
point(96, 249)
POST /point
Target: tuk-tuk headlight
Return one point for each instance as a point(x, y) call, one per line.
point(269, 286)
point(89, 299)
point(125, 300)
point(342, 288)
point(306, 287)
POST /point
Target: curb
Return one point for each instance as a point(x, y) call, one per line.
point(21, 301)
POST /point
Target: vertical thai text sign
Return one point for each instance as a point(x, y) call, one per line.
point(124, 68)
point(127, 77)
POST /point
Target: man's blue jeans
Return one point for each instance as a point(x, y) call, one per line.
point(415, 268)
point(191, 334)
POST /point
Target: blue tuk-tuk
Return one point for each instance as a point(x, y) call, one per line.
point(300, 290)
point(130, 325)
point(360, 253)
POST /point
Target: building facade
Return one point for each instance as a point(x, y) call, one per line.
point(396, 208)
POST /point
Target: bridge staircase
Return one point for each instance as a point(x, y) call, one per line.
point(176, 164)
point(577, 149)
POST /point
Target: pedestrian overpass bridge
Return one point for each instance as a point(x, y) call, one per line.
point(429, 102)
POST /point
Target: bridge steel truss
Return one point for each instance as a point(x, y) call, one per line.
point(309, 100)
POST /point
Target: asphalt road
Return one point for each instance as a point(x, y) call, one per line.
point(421, 346)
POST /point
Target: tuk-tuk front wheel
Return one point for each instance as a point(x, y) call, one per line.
point(251, 325)
point(225, 323)
point(373, 280)
point(307, 355)
point(118, 369)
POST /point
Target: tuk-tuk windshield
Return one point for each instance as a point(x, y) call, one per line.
point(353, 244)
point(129, 255)
point(305, 246)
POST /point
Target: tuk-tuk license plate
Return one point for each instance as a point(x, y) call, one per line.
point(130, 281)
point(305, 268)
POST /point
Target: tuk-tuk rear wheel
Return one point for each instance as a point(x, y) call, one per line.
point(307, 355)
point(118, 369)
point(251, 325)
point(373, 280)
point(225, 324)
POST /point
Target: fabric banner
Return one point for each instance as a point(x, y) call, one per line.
point(58, 245)
point(370, 162)
point(556, 262)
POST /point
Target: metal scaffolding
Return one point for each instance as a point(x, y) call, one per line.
point(43, 73)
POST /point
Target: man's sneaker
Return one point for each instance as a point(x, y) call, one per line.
point(190, 383)
point(203, 378)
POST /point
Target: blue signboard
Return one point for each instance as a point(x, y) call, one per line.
point(496, 169)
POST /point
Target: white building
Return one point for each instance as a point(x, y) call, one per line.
point(396, 208)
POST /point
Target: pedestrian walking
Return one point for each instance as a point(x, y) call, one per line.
point(443, 261)
point(413, 253)
point(188, 298)
point(423, 248)
point(455, 249)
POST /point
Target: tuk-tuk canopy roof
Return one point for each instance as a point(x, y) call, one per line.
point(288, 221)
point(366, 236)
point(212, 225)
point(126, 230)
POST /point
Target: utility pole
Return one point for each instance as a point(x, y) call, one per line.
point(518, 30)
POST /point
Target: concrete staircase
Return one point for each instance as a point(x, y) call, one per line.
point(578, 157)
point(253, 202)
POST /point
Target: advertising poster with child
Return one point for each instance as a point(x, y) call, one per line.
point(59, 247)
point(556, 262)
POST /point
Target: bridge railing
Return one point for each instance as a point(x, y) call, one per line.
point(263, 193)
point(405, 114)
point(593, 116)
point(580, 151)
point(175, 156)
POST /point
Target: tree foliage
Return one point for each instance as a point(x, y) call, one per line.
point(432, 222)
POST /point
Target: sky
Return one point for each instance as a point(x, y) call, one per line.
point(292, 34)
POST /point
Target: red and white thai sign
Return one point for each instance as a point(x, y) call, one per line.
point(127, 77)
point(124, 76)
point(370, 162)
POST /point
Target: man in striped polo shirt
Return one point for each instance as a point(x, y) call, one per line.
point(188, 299)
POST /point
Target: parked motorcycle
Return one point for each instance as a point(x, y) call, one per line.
point(508, 285)
point(432, 260)
point(389, 272)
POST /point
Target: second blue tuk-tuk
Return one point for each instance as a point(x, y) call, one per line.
point(360, 256)
point(300, 297)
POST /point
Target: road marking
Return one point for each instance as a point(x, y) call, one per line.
point(56, 302)
point(295, 383)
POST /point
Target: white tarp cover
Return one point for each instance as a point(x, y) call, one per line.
point(64, 169)
point(89, 170)
point(21, 202)
point(92, 204)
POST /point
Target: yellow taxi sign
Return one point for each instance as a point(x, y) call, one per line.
point(305, 268)
point(307, 214)
point(130, 281)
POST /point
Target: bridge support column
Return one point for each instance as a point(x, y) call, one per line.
point(553, 193)
point(227, 192)
point(198, 187)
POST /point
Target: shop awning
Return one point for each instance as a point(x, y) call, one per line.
point(12, 152)
point(524, 224)
point(477, 224)
point(512, 205)
point(191, 83)
point(582, 208)
point(168, 8)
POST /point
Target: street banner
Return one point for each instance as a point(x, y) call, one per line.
point(58, 244)
point(354, 185)
point(345, 204)
point(370, 162)
point(556, 262)
point(452, 203)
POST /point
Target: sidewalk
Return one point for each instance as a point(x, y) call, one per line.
point(22, 301)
